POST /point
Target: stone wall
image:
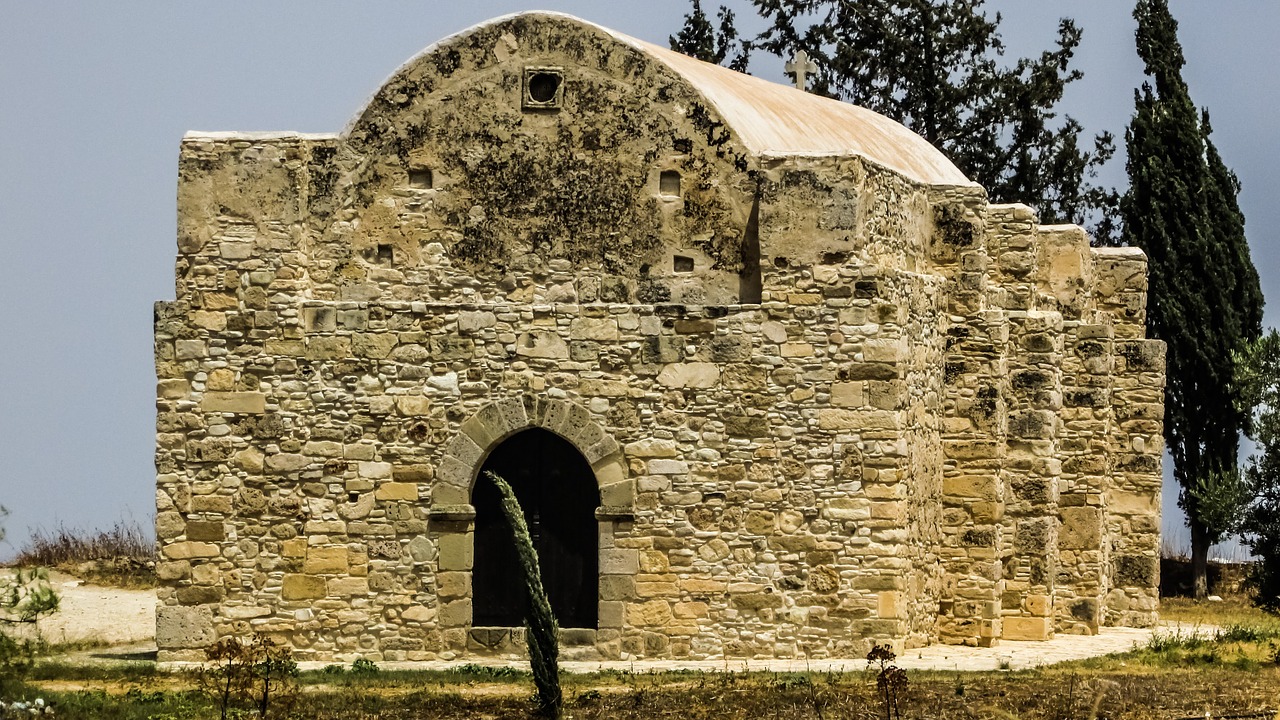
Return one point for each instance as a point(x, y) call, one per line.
point(824, 404)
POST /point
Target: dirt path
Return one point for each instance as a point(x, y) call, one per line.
point(93, 615)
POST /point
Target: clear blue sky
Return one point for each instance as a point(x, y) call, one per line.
point(94, 98)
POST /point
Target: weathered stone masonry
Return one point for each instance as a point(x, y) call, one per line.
point(829, 394)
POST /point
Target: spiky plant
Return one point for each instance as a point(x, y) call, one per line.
point(541, 630)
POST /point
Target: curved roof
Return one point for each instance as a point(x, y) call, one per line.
point(773, 119)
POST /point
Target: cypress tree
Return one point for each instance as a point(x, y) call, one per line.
point(1204, 299)
point(700, 39)
point(933, 65)
point(541, 631)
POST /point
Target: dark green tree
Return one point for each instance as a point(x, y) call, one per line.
point(935, 66)
point(1258, 380)
point(541, 631)
point(1204, 299)
point(710, 43)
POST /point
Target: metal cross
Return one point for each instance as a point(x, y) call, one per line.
point(800, 68)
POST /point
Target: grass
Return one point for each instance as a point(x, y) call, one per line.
point(1150, 682)
point(123, 555)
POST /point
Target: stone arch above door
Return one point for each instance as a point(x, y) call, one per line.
point(499, 420)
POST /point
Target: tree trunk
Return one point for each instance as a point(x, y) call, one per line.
point(1200, 543)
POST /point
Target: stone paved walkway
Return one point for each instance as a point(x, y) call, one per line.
point(1009, 655)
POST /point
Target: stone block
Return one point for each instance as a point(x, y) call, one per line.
point(286, 462)
point(413, 405)
point(202, 530)
point(189, 349)
point(619, 561)
point(689, 375)
point(891, 606)
point(419, 614)
point(542, 344)
point(1039, 605)
point(303, 587)
point(619, 494)
point(652, 448)
point(456, 552)
point(456, 613)
point(242, 402)
point(857, 420)
point(173, 389)
point(1081, 528)
point(321, 561)
point(652, 613)
point(348, 586)
point(397, 491)
point(847, 509)
point(1027, 628)
point(668, 467)
point(216, 504)
point(848, 394)
point(971, 486)
point(611, 614)
point(472, 321)
point(795, 349)
point(184, 627)
point(590, 328)
point(190, 550)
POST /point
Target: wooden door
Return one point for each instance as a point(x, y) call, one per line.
point(557, 491)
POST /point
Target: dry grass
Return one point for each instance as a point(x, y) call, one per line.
point(1128, 689)
point(123, 555)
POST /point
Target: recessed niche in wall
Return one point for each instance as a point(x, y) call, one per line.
point(682, 264)
point(385, 254)
point(780, 262)
point(669, 183)
point(543, 88)
point(421, 179)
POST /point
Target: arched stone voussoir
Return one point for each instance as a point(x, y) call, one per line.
point(499, 420)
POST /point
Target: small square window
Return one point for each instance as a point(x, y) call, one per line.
point(683, 264)
point(421, 179)
point(669, 183)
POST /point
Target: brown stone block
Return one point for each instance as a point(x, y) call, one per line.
point(249, 403)
point(453, 584)
point(455, 552)
point(172, 389)
point(205, 530)
point(303, 587)
point(199, 595)
point(397, 491)
point(330, 560)
point(971, 486)
point(1081, 528)
point(653, 613)
point(456, 613)
point(348, 586)
point(1027, 628)
point(617, 587)
point(211, 504)
point(328, 348)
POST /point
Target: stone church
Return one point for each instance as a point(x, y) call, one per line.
point(771, 377)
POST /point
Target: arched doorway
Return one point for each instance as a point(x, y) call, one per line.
point(557, 490)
